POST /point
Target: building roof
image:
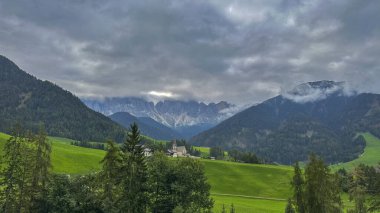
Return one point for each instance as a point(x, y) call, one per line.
point(181, 148)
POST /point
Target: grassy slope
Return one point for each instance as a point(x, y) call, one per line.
point(224, 177)
point(250, 183)
point(240, 184)
point(71, 159)
point(67, 158)
point(370, 155)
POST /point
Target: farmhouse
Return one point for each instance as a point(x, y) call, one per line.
point(147, 152)
point(177, 151)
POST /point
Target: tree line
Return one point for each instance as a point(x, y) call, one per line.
point(234, 155)
point(92, 145)
point(318, 190)
point(128, 181)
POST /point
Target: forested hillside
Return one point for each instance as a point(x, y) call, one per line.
point(287, 129)
point(26, 99)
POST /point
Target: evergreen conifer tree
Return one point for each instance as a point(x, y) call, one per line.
point(298, 189)
point(110, 176)
point(321, 188)
point(289, 207)
point(134, 195)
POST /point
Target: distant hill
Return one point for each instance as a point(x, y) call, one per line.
point(30, 101)
point(186, 117)
point(148, 126)
point(321, 117)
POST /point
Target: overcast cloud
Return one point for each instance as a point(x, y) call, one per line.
point(238, 51)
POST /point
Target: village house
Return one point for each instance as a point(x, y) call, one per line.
point(147, 152)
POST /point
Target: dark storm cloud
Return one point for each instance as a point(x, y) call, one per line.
point(239, 51)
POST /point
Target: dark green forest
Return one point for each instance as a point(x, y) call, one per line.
point(283, 131)
point(32, 102)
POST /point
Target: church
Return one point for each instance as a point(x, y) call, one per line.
point(177, 151)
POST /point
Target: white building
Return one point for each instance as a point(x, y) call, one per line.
point(177, 151)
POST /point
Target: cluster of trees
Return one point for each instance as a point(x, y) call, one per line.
point(24, 179)
point(316, 189)
point(234, 155)
point(244, 157)
point(92, 145)
point(217, 152)
point(127, 182)
point(363, 186)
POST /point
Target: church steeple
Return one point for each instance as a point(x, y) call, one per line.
point(174, 145)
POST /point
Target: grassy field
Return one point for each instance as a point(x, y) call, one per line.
point(248, 205)
point(205, 151)
point(67, 158)
point(251, 188)
point(370, 155)
point(240, 184)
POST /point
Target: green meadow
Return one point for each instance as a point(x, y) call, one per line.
point(370, 156)
point(250, 187)
point(67, 158)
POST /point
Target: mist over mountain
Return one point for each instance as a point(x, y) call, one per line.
point(188, 118)
point(321, 117)
point(147, 126)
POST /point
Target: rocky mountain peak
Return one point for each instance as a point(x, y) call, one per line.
point(318, 90)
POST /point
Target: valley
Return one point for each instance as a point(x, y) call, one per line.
point(250, 187)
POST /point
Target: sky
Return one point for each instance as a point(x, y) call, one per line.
point(241, 51)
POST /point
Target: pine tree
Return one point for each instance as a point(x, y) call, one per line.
point(26, 173)
point(357, 190)
point(160, 182)
point(289, 207)
point(321, 188)
point(298, 189)
point(41, 167)
point(134, 194)
point(110, 177)
point(10, 176)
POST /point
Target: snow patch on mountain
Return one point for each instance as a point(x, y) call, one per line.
point(172, 113)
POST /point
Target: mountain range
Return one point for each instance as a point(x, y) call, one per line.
point(321, 117)
point(187, 118)
point(147, 126)
point(32, 102)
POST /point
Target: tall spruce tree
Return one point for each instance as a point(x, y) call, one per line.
point(134, 195)
point(110, 177)
point(160, 180)
point(298, 189)
point(322, 193)
point(24, 178)
point(191, 189)
point(11, 175)
point(289, 207)
point(41, 165)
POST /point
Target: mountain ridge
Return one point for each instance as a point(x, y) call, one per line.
point(186, 117)
point(25, 98)
point(285, 130)
point(147, 126)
